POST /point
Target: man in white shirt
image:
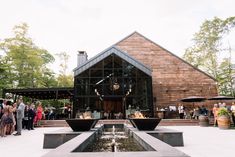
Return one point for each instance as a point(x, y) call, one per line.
point(181, 111)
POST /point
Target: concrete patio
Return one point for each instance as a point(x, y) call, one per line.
point(198, 142)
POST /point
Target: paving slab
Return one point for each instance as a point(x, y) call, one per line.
point(30, 143)
point(198, 142)
point(207, 141)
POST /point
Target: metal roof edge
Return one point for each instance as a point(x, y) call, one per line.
point(110, 49)
point(92, 58)
point(125, 53)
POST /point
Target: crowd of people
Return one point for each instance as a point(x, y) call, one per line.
point(185, 113)
point(51, 113)
point(218, 106)
point(17, 116)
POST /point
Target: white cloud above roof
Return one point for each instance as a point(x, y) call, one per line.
point(91, 25)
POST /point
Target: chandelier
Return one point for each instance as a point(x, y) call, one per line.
point(116, 86)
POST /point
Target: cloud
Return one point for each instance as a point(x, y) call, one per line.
point(91, 25)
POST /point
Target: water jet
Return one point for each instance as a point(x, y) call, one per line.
point(121, 139)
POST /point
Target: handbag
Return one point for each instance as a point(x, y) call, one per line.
point(8, 120)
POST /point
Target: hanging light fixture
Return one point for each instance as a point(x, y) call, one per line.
point(116, 86)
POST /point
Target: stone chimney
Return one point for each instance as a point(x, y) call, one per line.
point(82, 57)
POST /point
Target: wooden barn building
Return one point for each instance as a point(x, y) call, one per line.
point(136, 73)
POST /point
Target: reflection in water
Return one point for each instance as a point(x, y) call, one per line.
point(114, 137)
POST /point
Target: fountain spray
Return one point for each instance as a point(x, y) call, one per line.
point(113, 144)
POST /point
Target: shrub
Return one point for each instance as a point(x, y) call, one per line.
point(223, 112)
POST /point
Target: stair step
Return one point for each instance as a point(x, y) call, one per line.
point(164, 122)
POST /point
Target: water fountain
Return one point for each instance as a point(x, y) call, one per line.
point(113, 144)
point(121, 139)
point(113, 130)
point(112, 139)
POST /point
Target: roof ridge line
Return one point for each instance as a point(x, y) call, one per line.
point(167, 52)
point(120, 53)
point(92, 58)
point(146, 66)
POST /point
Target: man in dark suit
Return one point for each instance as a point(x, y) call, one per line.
point(31, 117)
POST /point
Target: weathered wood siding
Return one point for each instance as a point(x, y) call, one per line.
point(173, 78)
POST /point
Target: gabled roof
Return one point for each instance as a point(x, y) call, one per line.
point(166, 51)
point(112, 50)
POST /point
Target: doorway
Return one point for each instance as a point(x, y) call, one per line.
point(113, 109)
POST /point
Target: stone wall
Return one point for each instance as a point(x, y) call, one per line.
point(173, 78)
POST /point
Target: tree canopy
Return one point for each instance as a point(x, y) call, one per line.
point(210, 54)
point(64, 79)
point(24, 65)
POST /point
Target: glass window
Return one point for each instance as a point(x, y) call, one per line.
point(113, 82)
point(108, 62)
point(96, 73)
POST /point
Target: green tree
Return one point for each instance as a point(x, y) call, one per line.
point(64, 79)
point(3, 75)
point(225, 77)
point(48, 79)
point(26, 63)
point(208, 49)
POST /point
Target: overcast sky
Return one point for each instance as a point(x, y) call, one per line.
point(94, 25)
